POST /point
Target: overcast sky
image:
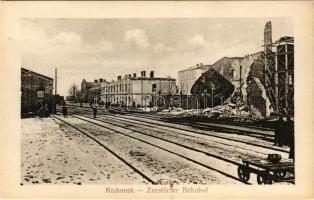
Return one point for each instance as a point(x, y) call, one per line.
point(106, 48)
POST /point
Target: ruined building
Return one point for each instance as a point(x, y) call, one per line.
point(269, 84)
point(262, 81)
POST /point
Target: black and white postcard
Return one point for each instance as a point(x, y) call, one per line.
point(157, 99)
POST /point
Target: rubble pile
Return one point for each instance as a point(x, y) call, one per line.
point(179, 112)
point(229, 111)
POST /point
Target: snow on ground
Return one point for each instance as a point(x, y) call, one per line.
point(53, 153)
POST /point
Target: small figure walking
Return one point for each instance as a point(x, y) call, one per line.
point(94, 111)
point(290, 133)
point(46, 114)
point(64, 110)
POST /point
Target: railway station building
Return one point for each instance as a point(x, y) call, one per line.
point(131, 90)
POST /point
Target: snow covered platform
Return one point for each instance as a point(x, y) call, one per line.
point(53, 153)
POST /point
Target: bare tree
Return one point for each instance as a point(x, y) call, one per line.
point(74, 92)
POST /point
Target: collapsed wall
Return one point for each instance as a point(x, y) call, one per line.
point(204, 85)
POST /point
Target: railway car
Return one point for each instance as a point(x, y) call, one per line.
point(59, 99)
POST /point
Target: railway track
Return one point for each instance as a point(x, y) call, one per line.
point(174, 129)
point(262, 136)
point(152, 144)
point(158, 116)
point(110, 125)
point(183, 144)
point(178, 132)
point(150, 180)
point(163, 148)
point(217, 127)
point(116, 123)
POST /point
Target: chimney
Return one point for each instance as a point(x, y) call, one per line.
point(101, 80)
point(201, 64)
point(197, 64)
point(95, 81)
point(143, 73)
point(129, 75)
point(119, 78)
point(134, 75)
point(268, 36)
point(151, 75)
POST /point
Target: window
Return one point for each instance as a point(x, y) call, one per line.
point(154, 87)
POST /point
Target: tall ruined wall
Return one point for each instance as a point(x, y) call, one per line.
point(257, 101)
point(230, 67)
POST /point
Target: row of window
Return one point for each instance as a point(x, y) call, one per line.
point(117, 88)
point(123, 88)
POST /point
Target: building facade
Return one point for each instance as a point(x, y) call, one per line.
point(187, 77)
point(36, 92)
point(137, 91)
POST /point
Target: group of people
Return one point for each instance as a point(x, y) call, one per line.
point(284, 134)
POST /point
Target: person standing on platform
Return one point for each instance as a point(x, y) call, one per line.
point(278, 131)
point(290, 134)
point(94, 110)
point(64, 110)
point(46, 114)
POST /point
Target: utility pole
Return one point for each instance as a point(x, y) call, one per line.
point(56, 79)
point(169, 91)
point(142, 91)
point(240, 82)
point(75, 94)
point(54, 98)
point(212, 86)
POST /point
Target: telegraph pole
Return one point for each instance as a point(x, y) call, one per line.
point(212, 86)
point(240, 82)
point(54, 98)
point(56, 78)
